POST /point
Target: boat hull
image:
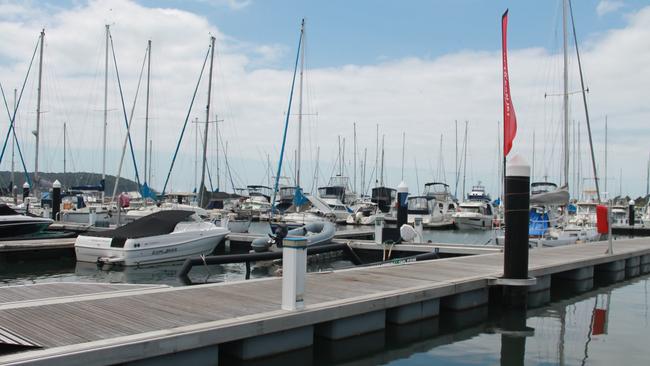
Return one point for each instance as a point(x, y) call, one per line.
point(22, 228)
point(155, 249)
point(473, 222)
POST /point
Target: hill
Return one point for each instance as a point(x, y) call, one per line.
point(70, 179)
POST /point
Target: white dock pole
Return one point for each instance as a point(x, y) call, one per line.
point(379, 229)
point(92, 216)
point(294, 270)
point(419, 229)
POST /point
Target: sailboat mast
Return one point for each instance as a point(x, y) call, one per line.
point(465, 158)
point(64, 146)
point(216, 128)
point(13, 146)
point(606, 156)
point(363, 172)
point(207, 122)
point(302, 71)
point(403, 149)
point(196, 153)
point(146, 115)
point(565, 95)
point(377, 157)
point(456, 160)
point(354, 165)
point(150, 155)
point(584, 100)
point(647, 178)
point(38, 107)
point(381, 179)
point(105, 112)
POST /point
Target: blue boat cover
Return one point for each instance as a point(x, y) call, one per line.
point(538, 223)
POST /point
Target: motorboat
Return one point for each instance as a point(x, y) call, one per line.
point(475, 213)
point(163, 236)
point(313, 210)
point(316, 233)
point(338, 188)
point(436, 207)
point(235, 222)
point(365, 213)
point(133, 215)
point(13, 224)
point(339, 210)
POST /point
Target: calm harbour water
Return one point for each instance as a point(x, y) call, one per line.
point(65, 268)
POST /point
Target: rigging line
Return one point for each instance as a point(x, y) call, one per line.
point(126, 120)
point(584, 99)
point(207, 167)
point(128, 132)
point(12, 118)
point(189, 111)
point(20, 153)
point(286, 122)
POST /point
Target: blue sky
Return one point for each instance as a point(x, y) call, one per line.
point(365, 31)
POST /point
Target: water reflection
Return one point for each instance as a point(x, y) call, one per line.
point(607, 325)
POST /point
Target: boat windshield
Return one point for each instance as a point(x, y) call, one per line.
point(418, 204)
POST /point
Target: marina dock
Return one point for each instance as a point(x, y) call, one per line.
point(244, 319)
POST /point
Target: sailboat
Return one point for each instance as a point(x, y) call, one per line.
point(547, 227)
point(305, 208)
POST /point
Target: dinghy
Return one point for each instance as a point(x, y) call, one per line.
point(317, 233)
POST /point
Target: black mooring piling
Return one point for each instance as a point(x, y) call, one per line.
point(631, 219)
point(517, 201)
point(56, 199)
point(25, 191)
point(402, 204)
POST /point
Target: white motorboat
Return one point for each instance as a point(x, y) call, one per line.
point(474, 215)
point(133, 215)
point(163, 236)
point(13, 224)
point(477, 212)
point(436, 207)
point(366, 213)
point(338, 209)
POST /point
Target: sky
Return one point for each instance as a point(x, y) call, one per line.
point(416, 71)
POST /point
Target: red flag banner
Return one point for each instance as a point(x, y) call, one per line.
point(509, 118)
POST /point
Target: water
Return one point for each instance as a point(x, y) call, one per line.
point(65, 268)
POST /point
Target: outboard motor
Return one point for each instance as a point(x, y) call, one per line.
point(280, 233)
point(262, 244)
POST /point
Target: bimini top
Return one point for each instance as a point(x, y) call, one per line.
point(157, 223)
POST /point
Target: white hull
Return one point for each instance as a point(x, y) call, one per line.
point(473, 222)
point(154, 249)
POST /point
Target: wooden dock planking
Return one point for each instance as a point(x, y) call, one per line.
point(50, 290)
point(239, 310)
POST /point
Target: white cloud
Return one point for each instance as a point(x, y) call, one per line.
point(232, 4)
point(608, 6)
point(420, 96)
